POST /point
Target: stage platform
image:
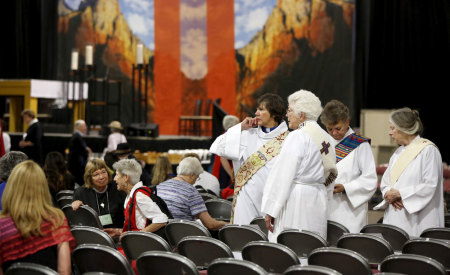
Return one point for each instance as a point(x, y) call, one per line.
point(59, 142)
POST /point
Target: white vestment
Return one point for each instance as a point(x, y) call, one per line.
point(295, 194)
point(238, 146)
point(357, 172)
point(421, 189)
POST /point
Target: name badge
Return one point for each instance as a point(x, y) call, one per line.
point(105, 219)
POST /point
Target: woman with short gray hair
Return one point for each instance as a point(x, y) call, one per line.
point(141, 212)
point(412, 185)
point(190, 166)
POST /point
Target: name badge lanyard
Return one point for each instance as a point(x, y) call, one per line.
point(107, 201)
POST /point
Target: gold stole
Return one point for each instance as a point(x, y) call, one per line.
point(406, 157)
point(256, 160)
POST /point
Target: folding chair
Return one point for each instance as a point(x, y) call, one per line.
point(261, 223)
point(64, 200)
point(310, 270)
point(342, 260)
point(100, 258)
point(334, 231)
point(436, 233)
point(219, 209)
point(302, 242)
point(64, 193)
point(84, 215)
point(24, 268)
point(273, 257)
point(226, 266)
point(92, 235)
point(203, 250)
point(178, 229)
point(391, 233)
point(433, 248)
point(237, 236)
point(412, 264)
point(163, 263)
point(134, 243)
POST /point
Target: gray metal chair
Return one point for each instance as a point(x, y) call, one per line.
point(203, 250)
point(273, 257)
point(302, 242)
point(92, 235)
point(436, 233)
point(64, 200)
point(219, 209)
point(100, 258)
point(259, 221)
point(29, 269)
point(373, 247)
point(310, 270)
point(227, 266)
point(206, 196)
point(334, 231)
point(178, 229)
point(342, 260)
point(412, 264)
point(391, 233)
point(134, 243)
point(163, 263)
point(433, 248)
point(84, 215)
point(237, 236)
point(64, 193)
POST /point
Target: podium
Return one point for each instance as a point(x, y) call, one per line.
point(24, 94)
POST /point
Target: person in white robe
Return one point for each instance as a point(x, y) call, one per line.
point(357, 179)
point(412, 185)
point(301, 182)
point(241, 143)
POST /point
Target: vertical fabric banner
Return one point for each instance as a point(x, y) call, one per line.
point(168, 101)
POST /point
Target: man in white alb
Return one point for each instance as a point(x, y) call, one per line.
point(301, 182)
point(253, 145)
point(357, 179)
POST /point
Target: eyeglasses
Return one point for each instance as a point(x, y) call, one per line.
point(99, 173)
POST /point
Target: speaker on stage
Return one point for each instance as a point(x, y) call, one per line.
point(143, 130)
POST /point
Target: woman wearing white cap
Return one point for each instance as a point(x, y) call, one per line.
point(412, 183)
point(116, 137)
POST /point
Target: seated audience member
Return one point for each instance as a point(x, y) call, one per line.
point(124, 151)
point(183, 199)
point(141, 212)
point(206, 180)
point(101, 194)
point(162, 170)
point(31, 229)
point(58, 177)
point(7, 163)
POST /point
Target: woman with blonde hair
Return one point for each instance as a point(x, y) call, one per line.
point(31, 228)
point(162, 170)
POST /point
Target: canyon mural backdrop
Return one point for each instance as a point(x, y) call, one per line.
point(209, 49)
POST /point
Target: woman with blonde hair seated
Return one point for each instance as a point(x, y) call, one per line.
point(31, 229)
point(162, 170)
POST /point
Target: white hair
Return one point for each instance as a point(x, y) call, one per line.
point(78, 123)
point(229, 121)
point(189, 166)
point(306, 102)
point(129, 167)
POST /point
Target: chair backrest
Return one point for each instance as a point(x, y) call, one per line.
point(259, 221)
point(391, 233)
point(207, 196)
point(237, 236)
point(436, 233)
point(273, 257)
point(198, 107)
point(302, 242)
point(334, 231)
point(203, 250)
point(64, 193)
point(64, 200)
point(178, 229)
point(92, 235)
point(412, 264)
point(343, 260)
point(134, 243)
point(433, 248)
point(163, 263)
point(373, 247)
point(219, 209)
point(100, 258)
point(310, 270)
point(29, 269)
point(226, 266)
point(84, 215)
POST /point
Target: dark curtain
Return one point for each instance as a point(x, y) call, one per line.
point(29, 42)
point(402, 57)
